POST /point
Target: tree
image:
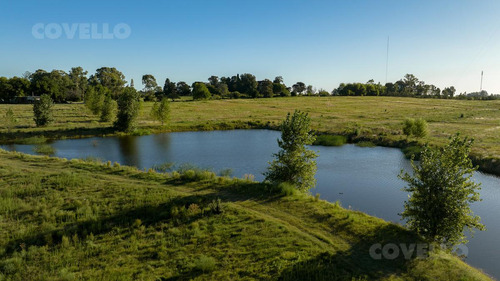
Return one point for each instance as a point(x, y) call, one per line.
point(280, 90)
point(128, 110)
point(149, 82)
point(278, 80)
point(183, 89)
point(298, 88)
point(108, 108)
point(95, 98)
point(9, 119)
point(294, 163)
point(441, 192)
point(170, 90)
point(448, 92)
point(42, 110)
point(161, 111)
point(200, 91)
point(150, 85)
point(54, 83)
point(266, 88)
point(248, 85)
point(110, 78)
point(78, 84)
point(213, 80)
point(310, 91)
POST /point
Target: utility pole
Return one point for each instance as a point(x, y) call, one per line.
point(387, 61)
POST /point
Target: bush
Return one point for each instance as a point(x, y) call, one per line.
point(421, 129)
point(205, 264)
point(107, 110)
point(44, 149)
point(200, 91)
point(161, 111)
point(9, 119)
point(94, 98)
point(42, 110)
point(329, 140)
point(128, 110)
point(417, 128)
point(216, 206)
point(286, 189)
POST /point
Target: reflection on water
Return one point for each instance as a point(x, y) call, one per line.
point(130, 151)
point(364, 178)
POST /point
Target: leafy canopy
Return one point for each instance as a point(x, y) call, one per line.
point(441, 192)
point(294, 163)
point(42, 110)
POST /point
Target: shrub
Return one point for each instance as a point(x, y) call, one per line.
point(421, 129)
point(128, 110)
point(107, 110)
point(205, 264)
point(44, 149)
point(9, 119)
point(200, 91)
point(417, 128)
point(161, 111)
point(329, 140)
point(216, 206)
point(286, 189)
point(42, 110)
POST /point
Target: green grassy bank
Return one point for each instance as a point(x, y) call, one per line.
point(77, 220)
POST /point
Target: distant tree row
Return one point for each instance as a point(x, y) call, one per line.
point(74, 85)
point(62, 86)
point(409, 86)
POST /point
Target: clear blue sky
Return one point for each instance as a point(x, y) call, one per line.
point(321, 43)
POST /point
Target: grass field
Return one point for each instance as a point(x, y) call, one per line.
point(77, 220)
point(378, 119)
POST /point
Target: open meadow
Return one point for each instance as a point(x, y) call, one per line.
point(378, 119)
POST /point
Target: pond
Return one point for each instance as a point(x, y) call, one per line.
point(362, 178)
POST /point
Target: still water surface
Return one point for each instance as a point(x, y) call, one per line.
point(363, 178)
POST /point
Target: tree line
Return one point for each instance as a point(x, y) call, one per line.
point(75, 85)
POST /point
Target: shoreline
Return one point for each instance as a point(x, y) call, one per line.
point(485, 165)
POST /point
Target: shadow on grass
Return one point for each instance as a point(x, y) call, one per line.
point(148, 215)
point(356, 263)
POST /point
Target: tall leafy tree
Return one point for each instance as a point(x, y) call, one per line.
point(78, 84)
point(440, 193)
point(200, 91)
point(213, 80)
point(183, 89)
point(110, 78)
point(149, 82)
point(248, 84)
point(170, 90)
point(150, 85)
point(294, 163)
point(298, 88)
point(265, 88)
